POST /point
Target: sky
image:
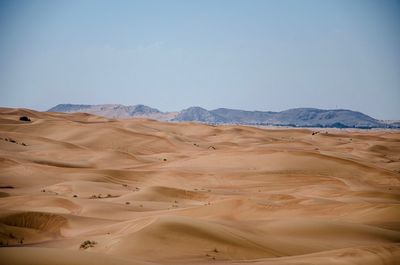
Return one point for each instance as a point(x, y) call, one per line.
point(251, 55)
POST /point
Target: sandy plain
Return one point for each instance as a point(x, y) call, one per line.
point(149, 192)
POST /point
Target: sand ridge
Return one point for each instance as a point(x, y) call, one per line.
point(150, 192)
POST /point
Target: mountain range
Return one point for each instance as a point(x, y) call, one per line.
point(298, 117)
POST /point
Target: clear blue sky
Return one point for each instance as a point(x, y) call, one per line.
point(254, 55)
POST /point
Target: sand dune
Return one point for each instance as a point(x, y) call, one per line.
point(148, 192)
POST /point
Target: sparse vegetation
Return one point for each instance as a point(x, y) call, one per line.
point(87, 244)
point(127, 203)
point(100, 196)
point(212, 256)
point(13, 141)
point(75, 196)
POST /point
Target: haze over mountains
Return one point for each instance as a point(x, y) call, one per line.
point(298, 117)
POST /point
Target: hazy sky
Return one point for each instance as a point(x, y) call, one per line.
point(254, 55)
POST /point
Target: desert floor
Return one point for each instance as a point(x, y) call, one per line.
point(149, 192)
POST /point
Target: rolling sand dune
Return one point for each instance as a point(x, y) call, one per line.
point(149, 192)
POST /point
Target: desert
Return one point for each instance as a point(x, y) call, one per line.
point(83, 189)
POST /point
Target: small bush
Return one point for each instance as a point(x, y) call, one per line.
point(24, 118)
point(87, 244)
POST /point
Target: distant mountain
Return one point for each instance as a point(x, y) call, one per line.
point(243, 116)
point(199, 114)
point(300, 117)
point(308, 117)
point(69, 107)
point(115, 111)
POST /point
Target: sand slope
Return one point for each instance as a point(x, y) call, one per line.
point(149, 192)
